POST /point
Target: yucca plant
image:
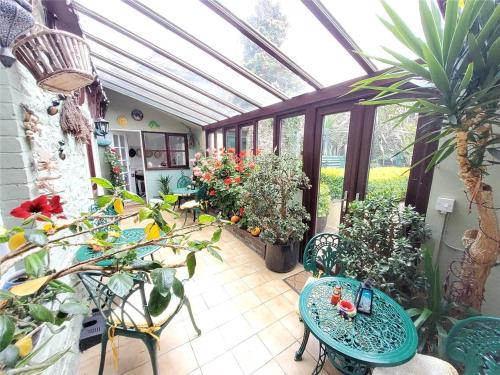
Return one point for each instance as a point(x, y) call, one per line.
point(455, 82)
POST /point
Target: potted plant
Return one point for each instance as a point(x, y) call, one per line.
point(323, 207)
point(269, 198)
point(164, 182)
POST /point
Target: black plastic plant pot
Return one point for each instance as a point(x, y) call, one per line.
point(282, 258)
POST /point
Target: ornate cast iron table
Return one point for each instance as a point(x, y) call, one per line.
point(385, 338)
point(127, 236)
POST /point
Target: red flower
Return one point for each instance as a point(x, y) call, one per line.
point(231, 150)
point(239, 167)
point(242, 211)
point(207, 176)
point(237, 179)
point(117, 169)
point(211, 192)
point(41, 205)
point(251, 165)
point(243, 154)
point(228, 180)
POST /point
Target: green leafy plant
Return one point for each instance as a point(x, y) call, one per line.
point(115, 167)
point(383, 243)
point(164, 182)
point(456, 86)
point(324, 200)
point(269, 199)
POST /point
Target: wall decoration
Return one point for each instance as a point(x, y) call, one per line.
point(15, 18)
point(132, 153)
point(137, 115)
point(60, 150)
point(148, 153)
point(74, 122)
point(59, 61)
point(153, 124)
point(121, 120)
point(157, 154)
point(53, 108)
point(31, 125)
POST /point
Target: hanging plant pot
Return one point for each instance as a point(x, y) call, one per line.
point(15, 19)
point(58, 60)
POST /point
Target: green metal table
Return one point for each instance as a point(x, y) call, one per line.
point(385, 338)
point(131, 235)
point(184, 191)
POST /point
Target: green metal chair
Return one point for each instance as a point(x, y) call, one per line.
point(129, 316)
point(474, 343)
point(183, 182)
point(321, 259)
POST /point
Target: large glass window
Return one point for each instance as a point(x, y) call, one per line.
point(246, 139)
point(265, 135)
point(211, 141)
point(219, 139)
point(165, 150)
point(389, 165)
point(292, 135)
point(333, 156)
point(231, 138)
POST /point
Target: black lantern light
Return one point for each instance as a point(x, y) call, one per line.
point(15, 19)
point(364, 298)
point(101, 130)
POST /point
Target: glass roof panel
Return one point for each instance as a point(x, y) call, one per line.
point(289, 25)
point(163, 80)
point(204, 24)
point(151, 95)
point(360, 19)
point(141, 25)
point(138, 50)
point(127, 77)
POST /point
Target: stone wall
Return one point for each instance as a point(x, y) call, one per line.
point(18, 177)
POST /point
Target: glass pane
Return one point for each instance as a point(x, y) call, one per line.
point(219, 143)
point(389, 169)
point(265, 135)
point(179, 110)
point(231, 138)
point(176, 143)
point(155, 150)
point(204, 24)
point(177, 159)
point(283, 22)
point(331, 189)
point(292, 136)
point(373, 34)
point(246, 140)
point(211, 140)
point(143, 26)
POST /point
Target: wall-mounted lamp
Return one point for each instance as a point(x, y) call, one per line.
point(101, 130)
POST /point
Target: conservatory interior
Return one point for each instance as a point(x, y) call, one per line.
point(249, 187)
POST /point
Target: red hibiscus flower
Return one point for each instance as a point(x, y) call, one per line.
point(212, 192)
point(231, 150)
point(237, 179)
point(41, 205)
point(228, 180)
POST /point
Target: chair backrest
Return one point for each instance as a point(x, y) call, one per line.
point(321, 255)
point(183, 182)
point(118, 311)
point(475, 343)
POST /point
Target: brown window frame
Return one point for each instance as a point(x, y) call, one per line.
point(167, 150)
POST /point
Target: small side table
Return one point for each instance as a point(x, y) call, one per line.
point(385, 338)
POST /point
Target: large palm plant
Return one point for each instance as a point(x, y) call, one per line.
point(455, 80)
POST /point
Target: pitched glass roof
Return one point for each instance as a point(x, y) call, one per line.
point(209, 60)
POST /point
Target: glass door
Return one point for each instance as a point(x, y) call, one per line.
point(332, 193)
point(121, 147)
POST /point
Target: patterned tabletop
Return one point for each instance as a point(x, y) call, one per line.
point(387, 337)
point(127, 236)
point(184, 191)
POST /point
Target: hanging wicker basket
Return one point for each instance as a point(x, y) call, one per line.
point(59, 61)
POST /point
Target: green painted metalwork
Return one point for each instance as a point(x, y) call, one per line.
point(475, 344)
point(183, 182)
point(109, 303)
point(98, 221)
point(132, 235)
point(387, 337)
point(321, 253)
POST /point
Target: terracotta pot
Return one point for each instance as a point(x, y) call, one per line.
point(282, 258)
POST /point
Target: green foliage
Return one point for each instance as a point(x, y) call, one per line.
point(269, 198)
point(383, 240)
point(324, 200)
point(115, 168)
point(164, 182)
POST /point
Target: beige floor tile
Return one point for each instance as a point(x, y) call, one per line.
point(293, 324)
point(279, 285)
point(205, 321)
point(225, 312)
point(196, 372)
point(292, 296)
point(251, 354)
point(226, 277)
point(312, 346)
point(254, 280)
point(236, 331)
point(225, 364)
point(235, 287)
point(280, 306)
point(172, 337)
point(259, 318)
point(266, 291)
point(270, 368)
point(208, 346)
point(215, 296)
point(246, 301)
point(292, 367)
point(276, 338)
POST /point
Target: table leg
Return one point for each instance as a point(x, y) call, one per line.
point(321, 359)
point(298, 353)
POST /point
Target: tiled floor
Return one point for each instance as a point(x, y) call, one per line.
point(247, 317)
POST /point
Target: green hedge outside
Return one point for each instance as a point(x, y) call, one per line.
point(387, 181)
